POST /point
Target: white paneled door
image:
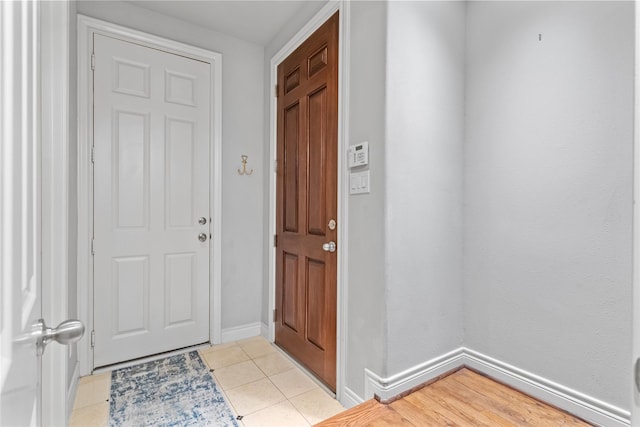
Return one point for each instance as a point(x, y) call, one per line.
point(20, 243)
point(151, 201)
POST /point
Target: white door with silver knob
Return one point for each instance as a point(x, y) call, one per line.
point(29, 390)
point(151, 209)
point(20, 245)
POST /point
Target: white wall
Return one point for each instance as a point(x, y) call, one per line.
point(424, 168)
point(548, 190)
point(242, 133)
point(366, 311)
point(516, 243)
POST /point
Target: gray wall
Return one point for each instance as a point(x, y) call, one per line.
point(507, 231)
point(242, 133)
point(548, 190)
point(424, 168)
point(366, 310)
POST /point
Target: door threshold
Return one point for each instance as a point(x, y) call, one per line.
point(145, 359)
point(306, 371)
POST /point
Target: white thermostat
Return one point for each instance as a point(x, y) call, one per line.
point(359, 154)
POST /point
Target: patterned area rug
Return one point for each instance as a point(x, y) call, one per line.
point(178, 390)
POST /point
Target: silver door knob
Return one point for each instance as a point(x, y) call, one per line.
point(65, 333)
point(202, 220)
point(202, 237)
point(329, 247)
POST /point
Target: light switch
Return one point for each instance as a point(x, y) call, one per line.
point(359, 182)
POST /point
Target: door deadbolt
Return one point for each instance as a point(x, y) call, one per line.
point(202, 220)
point(332, 224)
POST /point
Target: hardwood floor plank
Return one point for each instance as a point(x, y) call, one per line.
point(361, 415)
point(463, 398)
point(427, 400)
point(510, 410)
point(389, 418)
point(419, 417)
point(466, 402)
point(525, 409)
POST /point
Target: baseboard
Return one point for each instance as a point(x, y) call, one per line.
point(387, 389)
point(264, 331)
point(579, 404)
point(349, 398)
point(241, 332)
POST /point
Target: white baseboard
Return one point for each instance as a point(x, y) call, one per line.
point(264, 331)
point(241, 332)
point(395, 385)
point(572, 401)
point(579, 404)
point(350, 398)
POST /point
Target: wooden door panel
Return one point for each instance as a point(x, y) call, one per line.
point(318, 61)
point(316, 302)
point(306, 201)
point(290, 295)
point(292, 80)
point(291, 172)
point(317, 170)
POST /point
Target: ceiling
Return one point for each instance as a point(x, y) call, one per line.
point(257, 21)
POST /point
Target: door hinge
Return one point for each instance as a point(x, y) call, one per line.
point(93, 154)
point(275, 166)
point(275, 91)
point(93, 339)
point(275, 315)
point(93, 61)
point(275, 240)
point(93, 247)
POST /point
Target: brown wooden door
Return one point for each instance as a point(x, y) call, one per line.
point(307, 201)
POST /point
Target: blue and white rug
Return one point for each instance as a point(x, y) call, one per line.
point(176, 391)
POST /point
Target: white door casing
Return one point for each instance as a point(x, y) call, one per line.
point(151, 201)
point(87, 27)
point(20, 290)
point(59, 363)
point(635, 360)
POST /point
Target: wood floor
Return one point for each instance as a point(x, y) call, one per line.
point(463, 398)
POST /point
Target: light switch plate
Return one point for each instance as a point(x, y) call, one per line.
point(359, 182)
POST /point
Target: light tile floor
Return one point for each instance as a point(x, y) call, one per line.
point(258, 381)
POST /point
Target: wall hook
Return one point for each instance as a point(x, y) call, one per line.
point(244, 167)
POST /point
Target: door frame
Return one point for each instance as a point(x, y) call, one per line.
point(635, 339)
point(343, 6)
point(59, 373)
point(87, 27)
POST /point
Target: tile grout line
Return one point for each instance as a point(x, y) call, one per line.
point(268, 377)
point(252, 349)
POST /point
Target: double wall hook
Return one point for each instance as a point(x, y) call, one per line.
point(244, 167)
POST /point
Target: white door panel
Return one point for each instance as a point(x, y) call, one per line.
point(151, 177)
point(20, 288)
